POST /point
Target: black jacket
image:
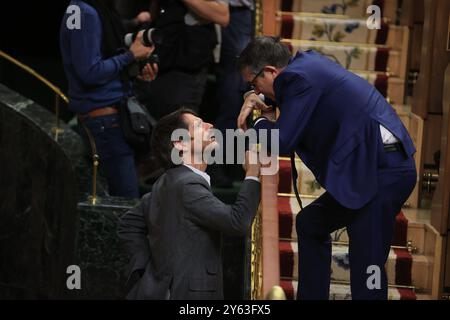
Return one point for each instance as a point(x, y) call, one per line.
point(173, 236)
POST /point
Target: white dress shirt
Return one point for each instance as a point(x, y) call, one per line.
point(386, 135)
point(208, 178)
point(203, 174)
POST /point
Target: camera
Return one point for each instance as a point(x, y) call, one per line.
point(150, 37)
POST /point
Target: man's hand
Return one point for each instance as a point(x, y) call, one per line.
point(251, 165)
point(252, 102)
point(213, 11)
point(149, 72)
point(143, 17)
point(139, 50)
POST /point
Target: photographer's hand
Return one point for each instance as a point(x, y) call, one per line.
point(143, 17)
point(139, 50)
point(149, 72)
point(213, 11)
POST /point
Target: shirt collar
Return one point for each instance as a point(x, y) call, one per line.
point(199, 172)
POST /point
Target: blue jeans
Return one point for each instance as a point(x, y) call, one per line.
point(116, 157)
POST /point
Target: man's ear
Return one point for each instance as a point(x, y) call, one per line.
point(273, 70)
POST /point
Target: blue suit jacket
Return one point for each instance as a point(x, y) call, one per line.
point(331, 118)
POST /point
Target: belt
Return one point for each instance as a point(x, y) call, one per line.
point(392, 147)
point(98, 113)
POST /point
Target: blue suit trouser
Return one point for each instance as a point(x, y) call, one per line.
point(370, 230)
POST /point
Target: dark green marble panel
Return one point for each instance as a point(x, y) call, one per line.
point(39, 192)
point(99, 251)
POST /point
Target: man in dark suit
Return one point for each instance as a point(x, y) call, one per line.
point(355, 144)
point(174, 236)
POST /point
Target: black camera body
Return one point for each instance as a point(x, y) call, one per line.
point(135, 68)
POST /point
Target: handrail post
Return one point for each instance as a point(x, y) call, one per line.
point(57, 130)
point(93, 198)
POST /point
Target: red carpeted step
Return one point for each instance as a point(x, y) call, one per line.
point(400, 230)
point(286, 224)
point(287, 259)
point(342, 291)
point(407, 294)
point(285, 218)
point(398, 266)
point(285, 177)
point(288, 287)
point(403, 267)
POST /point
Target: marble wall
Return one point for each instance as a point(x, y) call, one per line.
point(99, 252)
point(39, 192)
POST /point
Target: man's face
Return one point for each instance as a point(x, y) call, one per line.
point(261, 80)
point(199, 130)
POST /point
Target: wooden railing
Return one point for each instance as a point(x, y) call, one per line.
point(265, 251)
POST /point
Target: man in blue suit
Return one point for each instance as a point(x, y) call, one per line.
point(355, 144)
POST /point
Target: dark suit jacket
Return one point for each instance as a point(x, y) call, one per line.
point(330, 117)
point(173, 236)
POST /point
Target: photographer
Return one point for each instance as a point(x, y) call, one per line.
point(134, 13)
point(97, 76)
point(185, 53)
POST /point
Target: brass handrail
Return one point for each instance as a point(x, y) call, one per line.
point(93, 199)
point(35, 74)
point(256, 258)
point(256, 233)
point(57, 130)
point(58, 94)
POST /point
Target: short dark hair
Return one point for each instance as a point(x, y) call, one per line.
point(263, 51)
point(161, 141)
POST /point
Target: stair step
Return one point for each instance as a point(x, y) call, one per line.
point(355, 56)
point(288, 208)
point(340, 291)
point(421, 296)
point(333, 7)
point(328, 28)
point(401, 267)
